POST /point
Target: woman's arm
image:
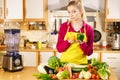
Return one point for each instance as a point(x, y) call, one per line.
point(61, 44)
point(88, 47)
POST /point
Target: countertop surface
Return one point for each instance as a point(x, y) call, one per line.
point(27, 74)
point(96, 48)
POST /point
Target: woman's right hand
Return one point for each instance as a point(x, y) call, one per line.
point(71, 41)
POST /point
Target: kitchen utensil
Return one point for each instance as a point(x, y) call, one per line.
point(55, 30)
point(97, 34)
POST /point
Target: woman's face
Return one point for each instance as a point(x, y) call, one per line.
point(74, 13)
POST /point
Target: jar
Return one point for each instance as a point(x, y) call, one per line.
point(32, 26)
point(41, 25)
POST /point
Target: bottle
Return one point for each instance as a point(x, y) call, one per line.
point(22, 42)
point(39, 43)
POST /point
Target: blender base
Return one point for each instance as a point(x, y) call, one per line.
point(12, 63)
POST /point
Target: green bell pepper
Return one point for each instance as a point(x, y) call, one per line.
point(80, 36)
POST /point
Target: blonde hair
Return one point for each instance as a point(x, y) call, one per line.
point(79, 5)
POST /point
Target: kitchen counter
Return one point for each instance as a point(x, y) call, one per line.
point(95, 49)
point(27, 74)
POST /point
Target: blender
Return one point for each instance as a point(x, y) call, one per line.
point(12, 60)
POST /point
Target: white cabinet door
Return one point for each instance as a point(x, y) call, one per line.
point(1, 9)
point(14, 9)
point(44, 56)
point(29, 58)
point(34, 9)
point(114, 9)
point(113, 61)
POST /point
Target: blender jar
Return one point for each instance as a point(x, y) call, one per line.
point(12, 37)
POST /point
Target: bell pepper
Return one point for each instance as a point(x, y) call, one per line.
point(80, 36)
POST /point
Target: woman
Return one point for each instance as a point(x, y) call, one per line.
point(72, 49)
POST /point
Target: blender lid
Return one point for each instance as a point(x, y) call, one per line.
point(13, 31)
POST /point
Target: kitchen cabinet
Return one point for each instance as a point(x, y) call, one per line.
point(25, 11)
point(29, 58)
point(112, 12)
point(14, 10)
point(113, 61)
point(1, 10)
point(36, 10)
point(44, 56)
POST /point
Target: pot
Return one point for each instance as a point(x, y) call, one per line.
point(97, 34)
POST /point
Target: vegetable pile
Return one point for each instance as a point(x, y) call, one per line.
point(56, 70)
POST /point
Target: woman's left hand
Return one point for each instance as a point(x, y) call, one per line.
point(81, 42)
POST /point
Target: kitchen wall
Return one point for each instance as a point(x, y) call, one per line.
point(64, 16)
point(45, 36)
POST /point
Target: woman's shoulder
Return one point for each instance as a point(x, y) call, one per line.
point(65, 24)
point(88, 26)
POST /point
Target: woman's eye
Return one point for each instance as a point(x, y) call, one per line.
point(73, 11)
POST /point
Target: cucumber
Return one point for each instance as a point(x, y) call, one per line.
point(74, 69)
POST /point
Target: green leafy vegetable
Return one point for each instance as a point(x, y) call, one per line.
point(103, 68)
point(54, 62)
point(42, 76)
point(63, 75)
point(103, 73)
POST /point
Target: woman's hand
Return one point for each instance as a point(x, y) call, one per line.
point(71, 41)
point(81, 42)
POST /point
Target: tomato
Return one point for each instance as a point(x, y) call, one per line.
point(76, 75)
point(54, 77)
point(93, 76)
point(60, 69)
point(73, 77)
point(97, 76)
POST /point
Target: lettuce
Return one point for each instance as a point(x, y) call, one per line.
point(103, 73)
point(63, 75)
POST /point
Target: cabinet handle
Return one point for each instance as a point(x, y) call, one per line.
point(111, 57)
point(108, 11)
point(23, 58)
point(113, 67)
